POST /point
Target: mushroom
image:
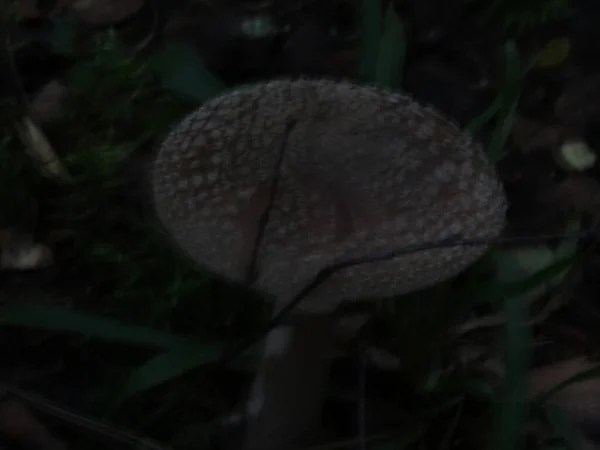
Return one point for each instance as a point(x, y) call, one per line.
point(269, 184)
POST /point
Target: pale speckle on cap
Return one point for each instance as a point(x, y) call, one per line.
point(364, 171)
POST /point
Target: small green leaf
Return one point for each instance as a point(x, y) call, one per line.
point(485, 117)
point(501, 133)
point(67, 321)
point(555, 52)
point(183, 72)
point(494, 291)
point(392, 49)
point(169, 365)
point(510, 95)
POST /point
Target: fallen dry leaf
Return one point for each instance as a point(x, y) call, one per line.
point(555, 52)
point(48, 103)
point(19, 252)
point(39, 148)
point(579, 193)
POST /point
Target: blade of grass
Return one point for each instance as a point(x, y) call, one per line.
point(501, 133)
point(485, 117)
point(371, 35)
point(392, 50)
point(477, 293)
point(510, 283)
point(63, 320)
point(512, 65)
point(174, 363)
point(504, 106)
point(182, 355)
point(167, 366)
point(511, 410)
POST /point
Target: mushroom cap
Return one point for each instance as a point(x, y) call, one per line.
point(363, 171)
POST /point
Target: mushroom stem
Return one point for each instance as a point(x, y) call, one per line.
point(284, 407)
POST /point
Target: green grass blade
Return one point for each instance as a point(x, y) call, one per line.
point(182, 71)
point(371, 35)
point(512, 409)
point(392, 51)
point(64, 320)
point(512, 78)
point(543, 276)
point(167, 366)
point(501, 133)
point(512, 70)
point(477, 293)
point(510, 95)
point(174, 363)
point(485, 117)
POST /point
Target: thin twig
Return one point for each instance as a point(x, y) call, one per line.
point(325, 273)
point(251, 273)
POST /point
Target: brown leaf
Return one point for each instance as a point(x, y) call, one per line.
point(579, 400)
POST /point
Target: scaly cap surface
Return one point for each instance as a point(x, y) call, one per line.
point(364, 171)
